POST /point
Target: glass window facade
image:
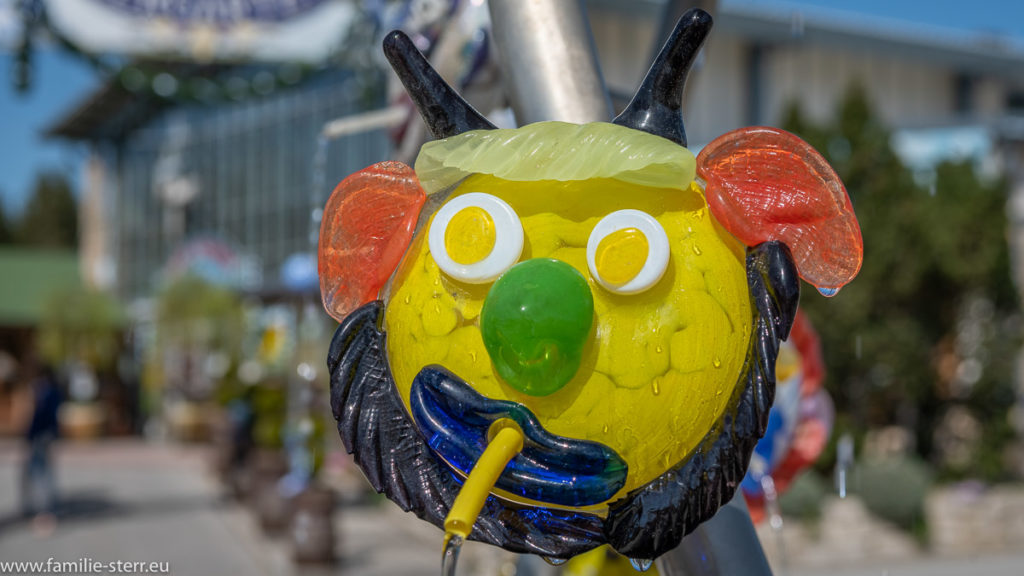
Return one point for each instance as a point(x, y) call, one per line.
point(241, 174)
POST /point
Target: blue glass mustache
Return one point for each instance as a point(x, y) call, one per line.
point(455, 420)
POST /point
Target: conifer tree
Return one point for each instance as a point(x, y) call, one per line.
point(931, 324)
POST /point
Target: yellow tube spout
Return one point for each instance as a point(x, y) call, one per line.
point(502, 448)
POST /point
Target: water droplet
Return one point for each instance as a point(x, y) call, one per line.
point(605, 429)
point(450, 557)
point(658, 349)
point(828, 292)
point(696, 250)
point(408, 298)
point(640, 564)
point(554, 561)
point(655, 387)
point(716, 362)
point(472, 355)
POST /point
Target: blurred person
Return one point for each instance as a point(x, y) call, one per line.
point(37, 475)
point(8, 397)
point(242, 421)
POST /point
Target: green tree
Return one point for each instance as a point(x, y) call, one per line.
point(51, 215)
point(936, 268)
point(81, 325)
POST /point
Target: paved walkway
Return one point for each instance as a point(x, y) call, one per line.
point(1000, 565)
point(131, 501)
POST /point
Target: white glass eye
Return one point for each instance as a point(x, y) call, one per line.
point(627, 252)
point(475, 237)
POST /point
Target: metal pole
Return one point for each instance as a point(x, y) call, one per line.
point(726, 545)
point(548, 62)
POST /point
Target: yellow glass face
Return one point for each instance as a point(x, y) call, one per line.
point(659, 367)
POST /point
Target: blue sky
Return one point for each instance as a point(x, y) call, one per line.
point(60, 80)
point(999, 17)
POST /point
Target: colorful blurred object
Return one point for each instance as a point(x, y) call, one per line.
point(210, 259)
point(299, 272)
point(799, 423)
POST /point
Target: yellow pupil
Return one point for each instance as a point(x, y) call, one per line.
point(621, 255)
point(469, 237)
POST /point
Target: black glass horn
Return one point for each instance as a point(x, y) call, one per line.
point(657, 107)
point(444, 111)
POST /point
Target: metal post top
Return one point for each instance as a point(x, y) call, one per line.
point(548, 61)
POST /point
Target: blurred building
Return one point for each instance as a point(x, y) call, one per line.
point(204, 137)
point(227, 190)
point(237, 177)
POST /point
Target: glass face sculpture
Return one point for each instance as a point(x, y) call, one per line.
point(577, 325)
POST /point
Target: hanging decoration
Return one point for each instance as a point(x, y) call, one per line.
point(191, 50)
point(204, 31)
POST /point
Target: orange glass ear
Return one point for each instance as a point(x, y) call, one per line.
point(367, 225)
point(767, 184)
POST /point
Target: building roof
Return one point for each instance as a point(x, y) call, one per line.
point(782, 23)
point(106, 114)
point(31, 278)
point(113, 111)
point(967, 51)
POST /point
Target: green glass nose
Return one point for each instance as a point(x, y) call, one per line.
point(535, 323)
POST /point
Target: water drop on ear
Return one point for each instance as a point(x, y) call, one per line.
point(828, 292)
point(640, 564)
